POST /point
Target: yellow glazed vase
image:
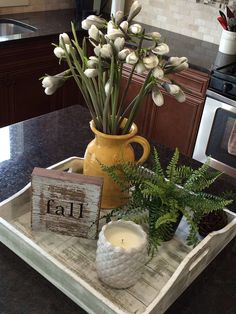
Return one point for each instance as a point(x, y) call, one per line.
point(109, 150)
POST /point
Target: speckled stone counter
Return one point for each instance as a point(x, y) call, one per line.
point(201, 54)
point(45, 140)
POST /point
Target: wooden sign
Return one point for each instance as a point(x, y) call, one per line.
point(67, 203)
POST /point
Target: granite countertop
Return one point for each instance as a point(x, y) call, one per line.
point(44, 141)
point(201, 54)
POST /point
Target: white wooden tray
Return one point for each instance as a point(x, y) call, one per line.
point(68, 262)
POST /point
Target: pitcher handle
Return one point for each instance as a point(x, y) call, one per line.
point(145, 145)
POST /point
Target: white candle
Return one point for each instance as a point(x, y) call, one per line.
point(121, 253)
point(123, 237)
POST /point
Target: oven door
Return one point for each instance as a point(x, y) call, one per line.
point(216, 138)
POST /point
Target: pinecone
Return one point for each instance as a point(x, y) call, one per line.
point(212, 222)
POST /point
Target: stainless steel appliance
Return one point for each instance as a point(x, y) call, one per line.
point(216, 137)
point(87, 7)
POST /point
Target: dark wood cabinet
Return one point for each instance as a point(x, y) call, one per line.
point(23, 63)
point(174, 124)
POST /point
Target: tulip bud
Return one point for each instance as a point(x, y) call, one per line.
point(119, 43)
point(161, 49)
point(65, 38)
point(107, 87)
point(132, 58)
point(124, 25)
point(177, 61)
point(97, 50)
point(110, 27)
point(59, 52)
point(106, 51)
point(90, 73)
point(115, 33)
point(180, 96)
point(119, 17)
point(150, 62)
point(134, 10)
point(135, 28)
point(171, 88)
point(180, 67)
point(123, 54)
point(157, 97)
point(140, 68)
point(94, 33)
point(92, 62)
point(158, 73)
point(93, 20)
point(52, 83)
point(154, 35)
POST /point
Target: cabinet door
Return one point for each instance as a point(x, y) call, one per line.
point(175, 124)
point(21, 93)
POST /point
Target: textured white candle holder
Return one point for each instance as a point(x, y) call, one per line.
point(121, 266)
point(228, 42)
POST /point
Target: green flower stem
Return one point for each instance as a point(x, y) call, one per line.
point(84, 91)
point(87, 85)
point(106, 105)
point(115, 98)
point(101, 85)
point(143, 91)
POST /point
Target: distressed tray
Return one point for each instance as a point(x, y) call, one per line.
point(68, 262)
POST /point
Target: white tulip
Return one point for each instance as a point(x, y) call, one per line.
point(150, 62)
point(106, 51)
point(94, 33)
point(140, 68)
point(65, 38)
point(59, 52)
point(134, 10)
point(177, 61)
point(171, 88)
point(49, 90)
point(90, 73)
point(124, 25)
point(119, 43)
point(158, 73)
point(110, 27)
point(118, 17)
point(92, 62)
point(123, 54)
point(93, 20)
point(180, 97)
point(97, 50)
point(154, 35)
point(107, 87)
point(180, 67)
point(135, 28)
point(52, 83)
point(157, 97)
point(114, 34)
point(132, 58)
point(161, 49)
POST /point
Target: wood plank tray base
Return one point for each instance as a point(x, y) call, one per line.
point(69, 262)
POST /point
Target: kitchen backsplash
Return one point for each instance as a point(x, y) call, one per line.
point(182, 16)
point(39, 5)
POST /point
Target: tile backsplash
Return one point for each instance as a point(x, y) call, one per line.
point(185, 17)
point(39, 5)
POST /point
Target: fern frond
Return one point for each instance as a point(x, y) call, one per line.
point(157, 168)
point(165, 219)
point(171, 168)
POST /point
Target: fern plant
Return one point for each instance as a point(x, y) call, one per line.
point(158, 198)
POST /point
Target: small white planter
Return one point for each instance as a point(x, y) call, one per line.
point(121, 253)
point(228, 42)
